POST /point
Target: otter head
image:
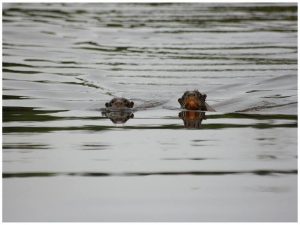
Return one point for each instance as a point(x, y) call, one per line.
point(193, 100)
point(119, 103)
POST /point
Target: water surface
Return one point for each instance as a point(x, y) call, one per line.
point(64, 160)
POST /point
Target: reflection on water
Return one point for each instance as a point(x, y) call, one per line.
point(192, 119)
point(199, 173)
point(119, 116)
point(64, 158)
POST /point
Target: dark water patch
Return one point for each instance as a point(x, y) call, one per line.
point(196, 48)
point(119, 64)
point(96, 46)
point(253, 91)
point(105, 49)
point(64, 67)
point(33, 72)
point(6, 21)
point(263, 139)
point(24, 129)
point(21, 45)
point(165, 173)
point(24, 146)
point(67, 62)
point(114, 25)
point(9, 64)
point(33, 12)
point(198, 70)
point(257, 60)
point(267, 157)
point(277, 96)
point(48, 32)
point(87, 43)
point(261, 61)
point(254, 116)
point(49, 16)
point(224, 31)
point(202, 140)
point(11, 114)
point(34, 174)
point(94, 49)
point(271, 8)
point(95, 147)
point(188, 159)
point(14, 97)
point(18, 71)
point(38, 60)
point(42, 21)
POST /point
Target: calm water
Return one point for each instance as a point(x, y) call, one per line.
point(64, 160)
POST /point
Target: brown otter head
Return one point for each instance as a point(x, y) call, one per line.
point(119, 103)
point(193, 100)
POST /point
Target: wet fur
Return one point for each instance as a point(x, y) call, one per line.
point(193, 100)
point(119, 103)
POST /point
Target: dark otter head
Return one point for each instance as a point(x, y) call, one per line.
point(193, 100)
point(119, 103)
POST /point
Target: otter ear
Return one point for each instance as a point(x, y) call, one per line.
point(204, 96)
point(107, 104)
point(131, 104)
point(180, 101)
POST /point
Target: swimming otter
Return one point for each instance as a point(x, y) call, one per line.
point(194, 100)
point(119, 103)
point(119, 110)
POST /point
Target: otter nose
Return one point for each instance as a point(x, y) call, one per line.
point(118, 103)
